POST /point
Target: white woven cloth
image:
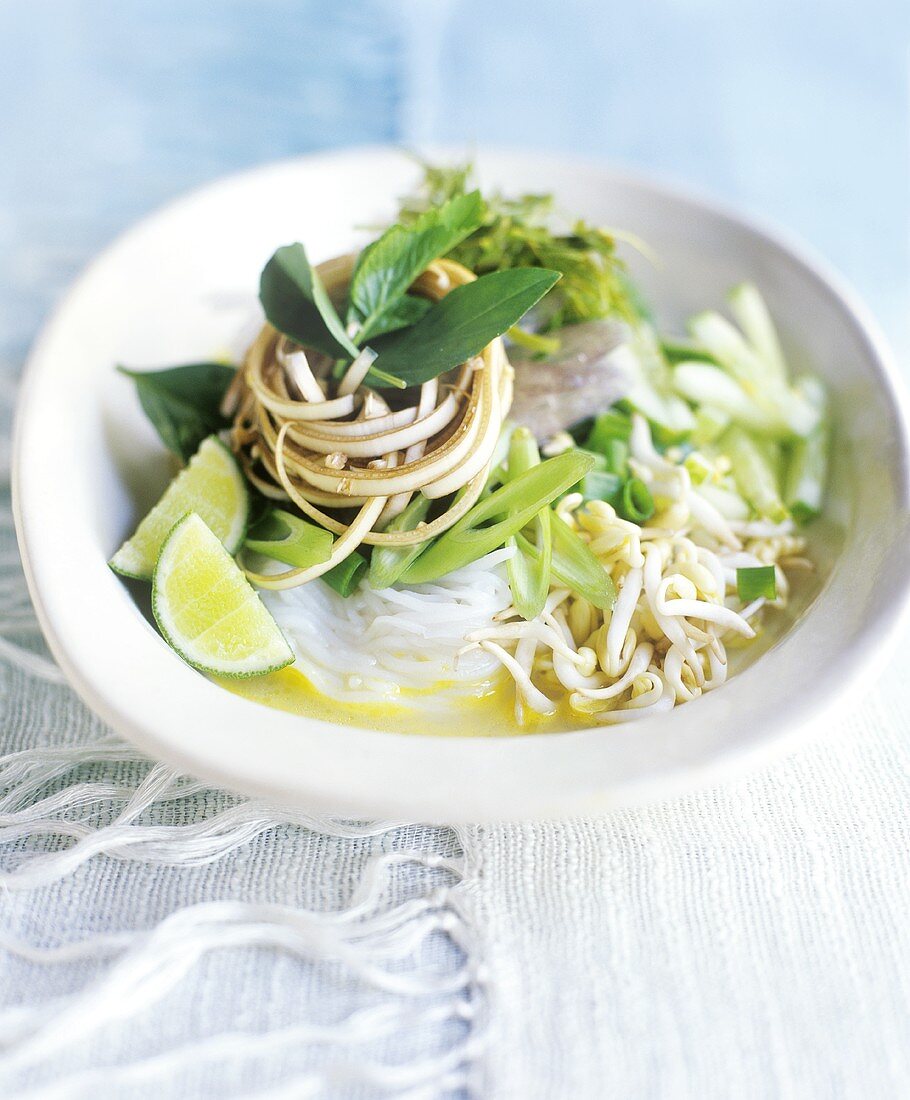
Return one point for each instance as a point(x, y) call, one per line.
point(746, 942)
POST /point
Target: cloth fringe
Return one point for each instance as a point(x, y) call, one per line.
point(367, 939)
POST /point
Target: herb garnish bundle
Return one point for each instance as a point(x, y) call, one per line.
point(414, 340)
point(515, 233)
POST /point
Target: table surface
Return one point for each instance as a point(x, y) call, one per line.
point(795, 110)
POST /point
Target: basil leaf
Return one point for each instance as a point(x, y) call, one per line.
point(386, 269)
point(406, 311)
point(462, 324)
point(296, 303)
point(184, 403)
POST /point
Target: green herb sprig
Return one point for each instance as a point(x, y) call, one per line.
point(515, 232)
point(183, 403)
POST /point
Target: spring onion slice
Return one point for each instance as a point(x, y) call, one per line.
point(518, 501)
point(681, 350)
point(752, 316)
point(702, 383)
point(617, 453)
point(760, 380)
point(575, 566)
point(756, 582)
point(345, 576)
point(601, 485)
point(636, 503)
point(387, 563)
point(287, 538)
point(710, 422)
point(807, 472)
point(607, 427)
point(529, 576)
point(755, 478)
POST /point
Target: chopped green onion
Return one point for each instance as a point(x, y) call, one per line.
point(287, 538)
point(681, 350)
point(597, 457)
point(607, 427)
point(651, 387)
point(497, 477)
point(726, 344)
point(699, 467)
point(518, 501)
point(710, 422)
point(529, 576)
point(635, 503)
point(730, 505)
point(345, 576)
point(755, 477)
point(575, 565)
point(600, 485)
point(756, 582)
point(387, 563)
point(617, 452)
point(807, 472)
point(752, 316)
point(763, 384)
point(702, 382)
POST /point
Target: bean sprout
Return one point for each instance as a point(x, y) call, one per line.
point(664, 641)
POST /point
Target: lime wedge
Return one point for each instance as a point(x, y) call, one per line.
point(208, 611)
point(211, 485)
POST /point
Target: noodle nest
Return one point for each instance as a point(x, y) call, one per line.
point(331, 445)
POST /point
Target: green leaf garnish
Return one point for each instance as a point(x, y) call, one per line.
point(406, 311)
point(519, 501)
point(386, 268)
point(755, 582)
point(297, 304)
point(184, 403)
point(462, 324)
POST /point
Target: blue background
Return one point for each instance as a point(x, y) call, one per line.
point(792, 108)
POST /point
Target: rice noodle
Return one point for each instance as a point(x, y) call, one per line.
point(374, 644)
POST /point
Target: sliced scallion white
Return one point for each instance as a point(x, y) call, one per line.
point(755, 477)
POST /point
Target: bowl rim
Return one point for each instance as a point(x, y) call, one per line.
point(412, 759)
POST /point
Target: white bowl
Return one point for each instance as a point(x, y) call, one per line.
point(181, 285)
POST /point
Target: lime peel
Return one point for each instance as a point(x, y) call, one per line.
point(213, 486)
point(207, 610)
